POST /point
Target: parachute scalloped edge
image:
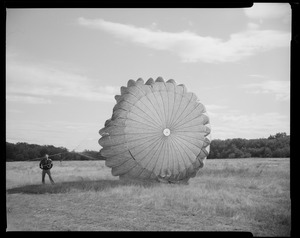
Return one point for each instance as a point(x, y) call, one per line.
point(146, 136)
point(150, 81)
point(130, 83)
point(171, 81)
point(160, 79)
point(140, 81)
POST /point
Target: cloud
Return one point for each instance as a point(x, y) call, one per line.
point(253, 26)
point(32, 83)
point(257, 76)
point(54, 133)
point(214, 109)
point(268, 11)
point(11, 110)
point(235, 124)
point(229, 122)
point(281, 89)
point(191, 47)
point(28, 99)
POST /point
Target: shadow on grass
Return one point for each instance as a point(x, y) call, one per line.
point(64, 187)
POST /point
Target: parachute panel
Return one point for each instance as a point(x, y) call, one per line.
point(158, 130)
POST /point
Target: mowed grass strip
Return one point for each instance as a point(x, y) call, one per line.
point(227, 195)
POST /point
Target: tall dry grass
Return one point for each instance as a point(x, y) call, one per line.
point(29, 173)
point(245, 195)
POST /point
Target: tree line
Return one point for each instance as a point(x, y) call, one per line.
point(274, 146)
point(22, 151)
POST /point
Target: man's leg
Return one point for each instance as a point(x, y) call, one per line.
point(43, 176)
point(49, 174)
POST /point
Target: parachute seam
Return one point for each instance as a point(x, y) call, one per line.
point(176, 147)
point(164, 110)
point(171, 125)
point(169, 108)
point(145, 94)
point(135, 121)
point(172, 155)
point(174, 111)
point(184, 144)
point(110, 148)
point(130, 110)
point(180, 137)
point(140, 172)
point(196, 118)
point(192, 162)
point(152, 89)
point(162, 162)
point(153, 125)
point(122, 162)
point(171, 116)
point(141, 123)
point(123, 170)
point(168, 159)
point(163, 104)
point(204, 151)
point(167, 102)
point(149, 138)
point(157, 157)
point(154, 109)
point(128, 150)
point(141, 101)
point(155, 142)
point(111, 137)
point(193, 130)
point(173, 161)
point(145, 105)
point(175, 122)
point(131, 155)
point(134, 133)
point(140, 139)
point(151, 158)
point(180, 144)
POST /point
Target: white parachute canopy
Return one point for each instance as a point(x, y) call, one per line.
point(158, 130)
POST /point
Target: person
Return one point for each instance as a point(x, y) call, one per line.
point(46, 165)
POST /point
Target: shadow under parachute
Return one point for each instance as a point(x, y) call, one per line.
point(82, 185)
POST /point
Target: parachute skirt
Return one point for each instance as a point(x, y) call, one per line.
point(158, 131)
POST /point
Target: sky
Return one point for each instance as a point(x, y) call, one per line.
point(64, 66)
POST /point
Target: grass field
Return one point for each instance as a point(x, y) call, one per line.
point(227, 195)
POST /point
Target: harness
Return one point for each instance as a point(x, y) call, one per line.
point(46, 164)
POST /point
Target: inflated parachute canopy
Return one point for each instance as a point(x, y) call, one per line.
point(157, 131)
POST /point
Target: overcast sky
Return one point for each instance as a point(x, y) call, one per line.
point(64, 66)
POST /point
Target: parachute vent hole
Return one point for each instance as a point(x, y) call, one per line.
point(167, 132)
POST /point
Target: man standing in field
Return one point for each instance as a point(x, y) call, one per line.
point(46, 165)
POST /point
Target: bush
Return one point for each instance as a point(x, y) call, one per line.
point(26, 152)
point(275, 146)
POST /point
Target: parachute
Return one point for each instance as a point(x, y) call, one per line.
point(158, 131)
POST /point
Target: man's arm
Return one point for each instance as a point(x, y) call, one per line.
point(50, 164)
point(42, 162)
